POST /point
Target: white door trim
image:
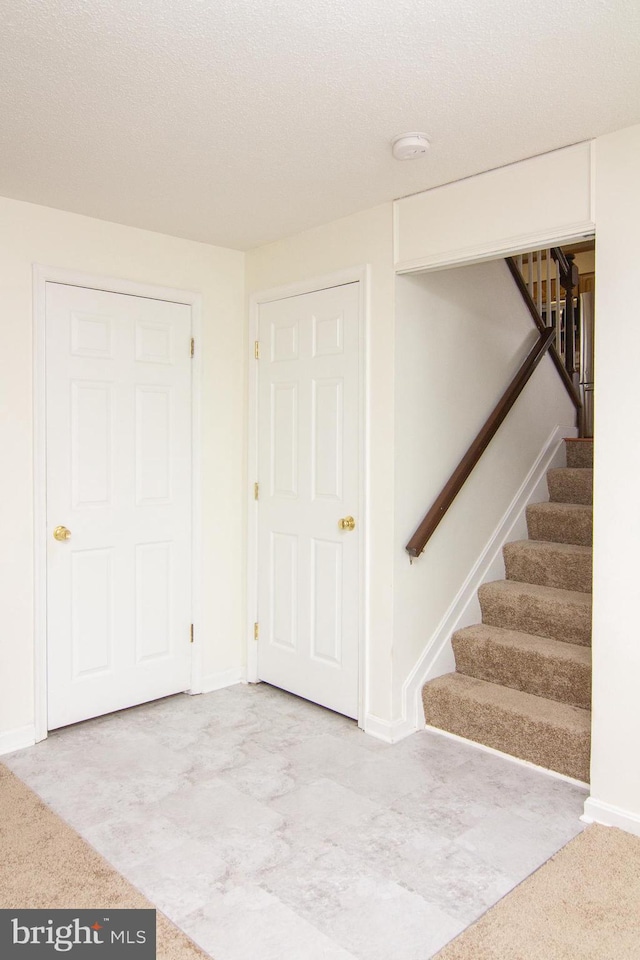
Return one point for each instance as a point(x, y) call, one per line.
point(41, 276)
point(361, 275)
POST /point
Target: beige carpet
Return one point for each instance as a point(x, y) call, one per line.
point(45, 864)
point(583, 904)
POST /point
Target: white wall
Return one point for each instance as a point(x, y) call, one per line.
point(29, 234)
point(364, 238)
point(461, 336)
point(615, 770)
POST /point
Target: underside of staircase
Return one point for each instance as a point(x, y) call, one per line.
point(523, 676)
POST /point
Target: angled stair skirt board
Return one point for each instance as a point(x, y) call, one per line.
point(522, 683)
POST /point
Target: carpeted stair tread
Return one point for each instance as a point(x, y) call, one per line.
point(563, 565)
point(579, 452)
point(561, 522)
point(570, 485)
point(543, 611)
point(551, 734)
point(536, 665)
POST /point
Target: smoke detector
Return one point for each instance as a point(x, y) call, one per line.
point(409, 145)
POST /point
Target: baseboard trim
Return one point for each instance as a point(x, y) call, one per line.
point(222, 679)
point(596, 811)
point(507, 756)
point(434, 654)
point(389, 731)
point(17, 739)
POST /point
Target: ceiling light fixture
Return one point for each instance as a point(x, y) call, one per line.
point(407, 146)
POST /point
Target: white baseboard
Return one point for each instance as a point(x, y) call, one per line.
point(596, 811)
point(16, 739)
point(221, 679)
point(437, 657)
point(390, 731)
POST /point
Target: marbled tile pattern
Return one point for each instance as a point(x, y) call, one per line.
point(271, 829)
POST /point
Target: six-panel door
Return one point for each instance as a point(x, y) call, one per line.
point(118, 397)
point(308, 455)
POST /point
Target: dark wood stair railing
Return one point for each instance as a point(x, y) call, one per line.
point(566, 271)
point(457, 479)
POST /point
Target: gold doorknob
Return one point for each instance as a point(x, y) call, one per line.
point(61, 533)
point(347, 523)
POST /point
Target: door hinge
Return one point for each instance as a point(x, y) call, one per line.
point(256, 631)
point(191, 634)
point(193, 347)
point(256, 491)
point(256, 349)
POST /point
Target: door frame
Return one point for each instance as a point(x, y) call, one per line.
point(41, 276)
point(360, 275)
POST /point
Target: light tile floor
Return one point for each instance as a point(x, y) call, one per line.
point(271, 829)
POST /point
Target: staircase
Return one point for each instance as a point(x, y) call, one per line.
point(523, 676)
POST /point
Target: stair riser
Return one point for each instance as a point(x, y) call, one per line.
point(566, 621)
point(576, 527)
point(565, 572)
point(535, 741)
point(579, 453)
point(566, 487)
point(554, 678)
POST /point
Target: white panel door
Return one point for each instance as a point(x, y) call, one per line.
point(118, 396)
point(308, 462)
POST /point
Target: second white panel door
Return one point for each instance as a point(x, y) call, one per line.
point(309, 473)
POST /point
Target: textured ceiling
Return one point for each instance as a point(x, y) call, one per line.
point(237, 122)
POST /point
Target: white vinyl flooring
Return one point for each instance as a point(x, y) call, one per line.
point(269, 828)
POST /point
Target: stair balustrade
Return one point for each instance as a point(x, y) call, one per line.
point(551, 296)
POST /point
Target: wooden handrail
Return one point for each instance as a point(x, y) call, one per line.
point(560, 257)
point(455, 482)
point(539, 322)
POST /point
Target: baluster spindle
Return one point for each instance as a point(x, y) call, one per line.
point(548, 298)
point(539, 283)
point(570, 328)
point(558, 314)
point(530, 268)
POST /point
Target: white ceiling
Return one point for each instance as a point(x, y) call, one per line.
point(237, 122)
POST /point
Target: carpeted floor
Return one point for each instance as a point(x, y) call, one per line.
point(45, 864)
point(583, 904)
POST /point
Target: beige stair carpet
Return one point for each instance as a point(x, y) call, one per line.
point(543, 667)
point(543, 611)
point(570, 485)
point(561, 522)
point(45, 864)
point(579, 452)
point(522, 683)
point(545, 732)
point(564, 566)
point(580, 905)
